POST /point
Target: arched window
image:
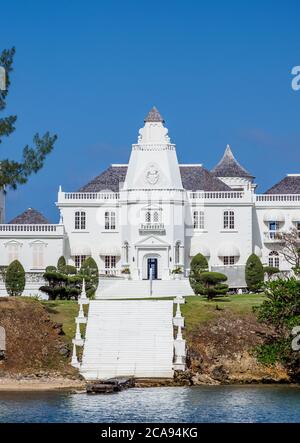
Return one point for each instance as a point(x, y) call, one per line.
point(148, 217)
point(110, 220)
point(198, 219)
point(228, 220)
point(274, 259)
point(80, 220)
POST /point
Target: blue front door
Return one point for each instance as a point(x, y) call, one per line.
point(152, 264)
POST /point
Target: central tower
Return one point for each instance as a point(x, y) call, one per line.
point(153, 161)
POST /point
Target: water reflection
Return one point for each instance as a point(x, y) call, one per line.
point(183, 404)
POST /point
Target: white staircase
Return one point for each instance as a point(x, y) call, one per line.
point(128, 338)
point(120, 289)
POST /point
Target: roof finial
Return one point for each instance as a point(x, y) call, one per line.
point(154, 116)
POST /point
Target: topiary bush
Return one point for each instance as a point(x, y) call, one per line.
point(198, 264)
point(61, 284)
point(15, 279)
point(89, 271)
point(254, 273)
point(212, 284)
point(61, 263)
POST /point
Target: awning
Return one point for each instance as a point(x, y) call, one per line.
point(197, 247)
point(274, 216)
point(228, 250)
point(110, 249)
point(296, 217)
point(80, 249)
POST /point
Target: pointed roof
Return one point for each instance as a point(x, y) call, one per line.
point(154, 116)
point(194, 178)
point(288, 185)
point(30, 216)
point(230, 167)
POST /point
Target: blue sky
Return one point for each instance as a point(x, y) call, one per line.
point(219, 72)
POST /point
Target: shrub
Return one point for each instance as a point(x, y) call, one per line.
point(254, 273)
point(15, 278)
point(211, 284)
point(61, 263)
point(198, 264)
point(50, 269)
point(61, 284)
point(89, 271)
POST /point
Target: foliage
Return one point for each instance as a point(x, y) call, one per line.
point(61, 263)
point(254, 273)
point(281, 309)
point(177, 270)
point(211, 284)
point(15, 278)
point(63, 285)
point(290, 247)
point(125, 271)
point(270, 271)
point(89, 271)
point(198, 265)
point(13, 173)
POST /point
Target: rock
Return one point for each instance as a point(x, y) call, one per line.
point(203, 379)
point(219, 373)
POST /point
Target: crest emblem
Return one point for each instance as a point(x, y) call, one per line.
point(152, 175)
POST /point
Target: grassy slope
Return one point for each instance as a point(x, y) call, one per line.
point(196, 310)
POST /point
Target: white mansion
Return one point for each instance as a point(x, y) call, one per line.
point(155, 213)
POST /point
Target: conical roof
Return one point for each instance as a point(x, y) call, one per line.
point(154, 116)
point(229, 166)
point(30, 216)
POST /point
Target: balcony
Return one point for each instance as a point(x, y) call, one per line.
point(157, 228)
point(272, 237)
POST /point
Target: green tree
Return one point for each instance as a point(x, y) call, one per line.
point(211, 284)
point(15, 278)
point(270, 271)
point(281, 310)
point(61, 263)
point(13, 173)
point(254, 273)
point(89, 271)
point(199, 264)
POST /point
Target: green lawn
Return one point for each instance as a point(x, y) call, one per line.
point(196, 310)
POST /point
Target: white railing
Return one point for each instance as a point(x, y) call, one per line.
point(273, 236)
point(15, 228)
point(152, 227)
point(153, 147)
point(277, 197)
point(89, 196)
point(110, 272)
point(224, 195)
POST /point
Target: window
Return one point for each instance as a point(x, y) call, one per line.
point(110, 220)
point(78, 260)
point(228, 220)
point(177, 253)
point(38, 256)
point(273, 228)
point(155, 217)
point(110, 261)
point(198, 219)
point(229, 260)
point(152, 216)
point(148, 217)
point(13, 252)
point(274, 259)
point(80, 220)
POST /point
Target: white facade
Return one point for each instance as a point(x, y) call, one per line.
point(156, 213)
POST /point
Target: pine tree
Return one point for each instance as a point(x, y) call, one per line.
point(254, 273)
point(15, 278)
point(13, 173)
point(199, 264)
